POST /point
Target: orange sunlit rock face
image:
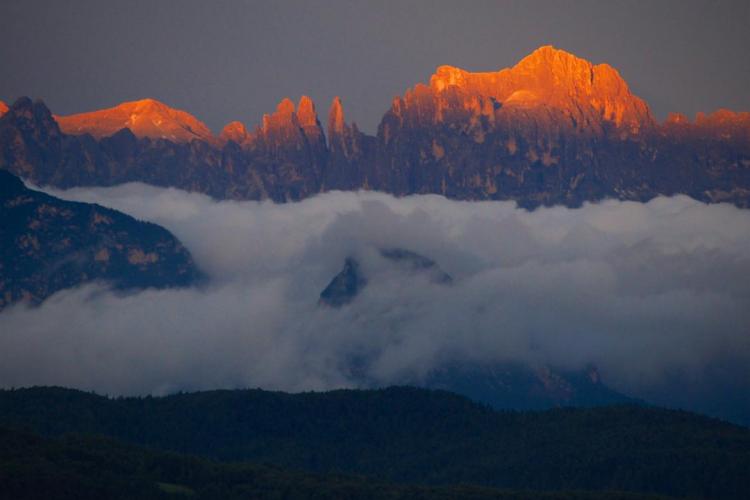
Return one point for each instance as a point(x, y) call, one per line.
point(288, 128)
point(234, 131)
point(548, 93)
point(547, 81)
point(145, 118)
point(306, 113)
point(282, 125)
point(308, 120)
point(723, 125)
point(343, 139)
point(336, 117)
point(3, 108)
point(723, 117)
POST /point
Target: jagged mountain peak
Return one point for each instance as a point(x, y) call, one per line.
point(21, 102)
point(336, 117)
point(560, 63)
point(549, 56)
point(723, 115)
point(25, 104)
point(147, 104)
point(352, 279)
point(677, 119)
point(32, 119)
point(548, 78)
point(546, 60)
point(306, 113)
point(281, 126)
point(145, 118)
point(234, 131)
point(291, 130)
point(307, 116)
point(446, 76)
point(283, 115)
point(285, 107)
point(723, 124)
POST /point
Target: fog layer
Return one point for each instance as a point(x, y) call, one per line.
point(653, 294)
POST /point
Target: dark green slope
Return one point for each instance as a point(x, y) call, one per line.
point(80, 468)
point(416, 436)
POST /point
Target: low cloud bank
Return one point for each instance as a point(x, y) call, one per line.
point(654, 294)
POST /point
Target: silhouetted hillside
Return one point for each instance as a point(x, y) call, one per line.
point(80, 467)
point(415, 436)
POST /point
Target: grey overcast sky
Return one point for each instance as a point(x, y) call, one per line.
point(234, 60)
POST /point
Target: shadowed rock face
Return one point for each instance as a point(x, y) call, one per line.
point(345, 286)
point(553, 129)
point(508, 385)
point(50, 244)
point(521, 387)
point(417, 263)
point(351, 280)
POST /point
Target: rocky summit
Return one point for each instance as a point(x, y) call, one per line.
point(145, 118)
point(553, 129)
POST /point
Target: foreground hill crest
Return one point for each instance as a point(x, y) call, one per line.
point(411, 436)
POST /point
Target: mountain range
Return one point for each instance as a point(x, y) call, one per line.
point(553, 129)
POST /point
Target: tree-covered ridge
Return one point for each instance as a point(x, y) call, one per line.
point(411, 435)
point(85, 467)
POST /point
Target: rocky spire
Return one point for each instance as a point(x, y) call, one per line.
point(281, 129)
point(308, 120)
point(336, 122)
point(283, 117)
point(306, 112)
point(342, 138)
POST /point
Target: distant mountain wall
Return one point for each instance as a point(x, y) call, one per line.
point(554, 129)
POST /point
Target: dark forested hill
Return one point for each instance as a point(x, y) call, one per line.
point(85, 467)
point(415, 436)
point(49, 244)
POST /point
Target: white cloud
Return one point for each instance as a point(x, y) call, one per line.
point(644, 291)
